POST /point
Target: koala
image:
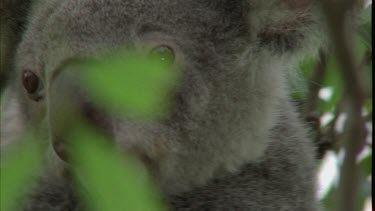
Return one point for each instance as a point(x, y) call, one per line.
point(232, 140)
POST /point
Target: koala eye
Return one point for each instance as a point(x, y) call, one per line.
point(164, 53)
point(32, 84)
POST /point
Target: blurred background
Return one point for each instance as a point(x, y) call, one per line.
point(334, 95)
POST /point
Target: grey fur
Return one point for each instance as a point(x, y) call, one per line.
point(11, 29)
point(233, 140)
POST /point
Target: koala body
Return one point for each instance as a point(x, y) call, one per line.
point(232, 140)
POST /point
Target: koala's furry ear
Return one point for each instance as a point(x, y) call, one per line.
point(286, 26)
point(13, 16)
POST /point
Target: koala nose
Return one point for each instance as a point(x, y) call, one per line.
point(69, 106)
point(96, 117)
point(86, 113)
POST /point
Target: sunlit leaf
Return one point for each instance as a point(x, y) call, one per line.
point(17, 172)
point(110, 181)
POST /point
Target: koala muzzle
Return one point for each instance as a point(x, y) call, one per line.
point(70, 106)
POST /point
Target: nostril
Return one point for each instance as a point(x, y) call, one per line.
point(60, 148)
point(96, 117)
point(88, 111)
point(92, 114)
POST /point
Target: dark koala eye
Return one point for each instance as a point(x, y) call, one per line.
point(163, 53)
point(31, 83)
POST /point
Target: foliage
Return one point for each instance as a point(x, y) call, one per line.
point(332, 112)
point(17, 171)
point(136, 85)
point(110, 180)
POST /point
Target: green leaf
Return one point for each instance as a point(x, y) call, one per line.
point(329, 201)
point(365, 29)
point(363, 38)
point(360, 49)
point(307, 66)
point(109, 181)
point(334, 80)
point(18, 169)
point(134, 85)
point(298, 88)
point(364, 193)
point(366, 165)
point(368, 105)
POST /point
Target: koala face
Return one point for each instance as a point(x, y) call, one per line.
point(233, 58)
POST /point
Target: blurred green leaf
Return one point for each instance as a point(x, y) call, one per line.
point(307, 66)
point(18, 169)
point(365, 29)
point(134, 85)
point(329, 201)
point(368, 76)
point(334, 80)
point(298, 87)
point(111, 183)
point(364, 192)
point(360, 49)
point(363, 38)
point(368, 105)
point(366, 165)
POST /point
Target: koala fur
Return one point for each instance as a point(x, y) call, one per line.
point(11, 27)
point(233, 140)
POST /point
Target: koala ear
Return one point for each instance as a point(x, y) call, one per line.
point(13, 16)
point(285, 26)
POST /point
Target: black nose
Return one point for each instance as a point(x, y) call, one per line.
point(96, 117)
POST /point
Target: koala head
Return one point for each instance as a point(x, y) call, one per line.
point(233, 58)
